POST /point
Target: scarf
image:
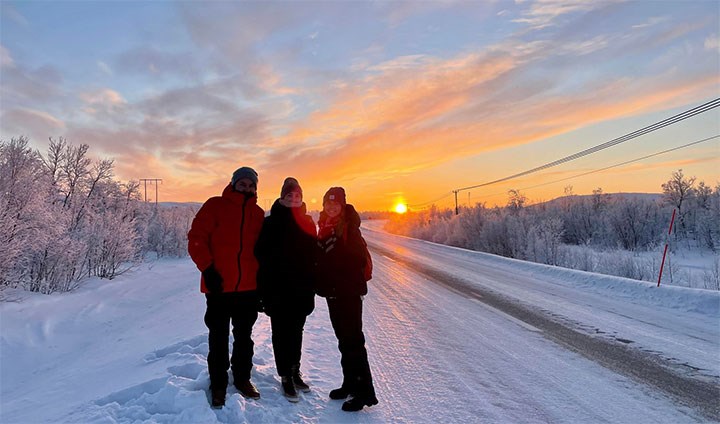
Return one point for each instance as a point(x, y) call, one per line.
point(329, 231)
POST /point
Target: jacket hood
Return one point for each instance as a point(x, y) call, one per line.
point(351, 216)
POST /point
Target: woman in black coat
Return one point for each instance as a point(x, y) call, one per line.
point(286, 251)
point(342, 281)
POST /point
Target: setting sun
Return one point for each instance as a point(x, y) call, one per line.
point(400, 208)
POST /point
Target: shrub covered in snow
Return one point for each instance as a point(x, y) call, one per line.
point(63, 218)
point(603, 233)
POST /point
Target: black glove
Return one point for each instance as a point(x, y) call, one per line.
point(213, 279)
point(260, 305)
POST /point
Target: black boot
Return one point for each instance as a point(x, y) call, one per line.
point(289, 389)
point(357, 403)
point(217, 396)
point(341, 393)
point(298, 381)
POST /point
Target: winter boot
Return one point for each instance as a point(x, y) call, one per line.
point(341, 393)
point(247, 389)
point(289, 389)
point(217, 396)
point(298, 381)
point(357, 403)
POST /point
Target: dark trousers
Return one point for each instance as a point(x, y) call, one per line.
point(346, 319)
point(287, 333)
point(240, 308)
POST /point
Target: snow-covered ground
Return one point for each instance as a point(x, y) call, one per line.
point(133, 349)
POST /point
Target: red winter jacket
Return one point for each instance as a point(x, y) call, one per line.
point(224, 233)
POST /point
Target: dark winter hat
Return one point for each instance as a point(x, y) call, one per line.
point(336, 194)
point(244, 172)
point(290, 185)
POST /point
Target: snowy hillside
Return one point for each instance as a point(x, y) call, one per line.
point(133, 349)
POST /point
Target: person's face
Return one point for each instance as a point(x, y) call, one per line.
point(245, 185)
point(332, 208)
point(292, 199)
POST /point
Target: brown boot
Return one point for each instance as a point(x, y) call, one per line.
point(289, 389)
point(247, 389)
point(298, 381)
point(217, 396)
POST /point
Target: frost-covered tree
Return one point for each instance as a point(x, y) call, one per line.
point(24, 212)
point(707, 216)
point(635, 223)
point(167, 229)
point(543, 239)
point(677, 192)
point(516, 201)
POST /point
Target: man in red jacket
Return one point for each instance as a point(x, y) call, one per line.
point(221, 242)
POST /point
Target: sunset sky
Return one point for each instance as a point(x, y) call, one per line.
point(395, 101)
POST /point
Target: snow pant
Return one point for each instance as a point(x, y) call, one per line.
point(346, 319)
point(240, 308)
point(287, 333)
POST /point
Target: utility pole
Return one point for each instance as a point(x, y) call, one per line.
point(457, 211)
point(152, 180)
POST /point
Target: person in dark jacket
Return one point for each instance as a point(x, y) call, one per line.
point(342, 282)
point(221, 242)
point(286, 251)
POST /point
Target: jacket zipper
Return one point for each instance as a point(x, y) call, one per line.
point(242, 225)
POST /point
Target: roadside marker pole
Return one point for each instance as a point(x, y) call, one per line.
point(672, 219)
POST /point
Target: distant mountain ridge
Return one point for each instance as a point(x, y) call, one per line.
point(177, 204)
point(656, 197)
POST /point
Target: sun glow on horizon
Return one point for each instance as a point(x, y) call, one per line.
point(400, 208)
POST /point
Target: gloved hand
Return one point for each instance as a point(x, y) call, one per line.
point(213, 279)
point(260, 305)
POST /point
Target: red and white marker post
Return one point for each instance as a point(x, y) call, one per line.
point(672, 219)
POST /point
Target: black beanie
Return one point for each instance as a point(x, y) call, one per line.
point(244, 172)
point(336, 194)
point(289, 185)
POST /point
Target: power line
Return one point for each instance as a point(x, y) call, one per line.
point(656, 126)
point(602, 169)
point(430, 202)
point(650, 128)
point(617, 164)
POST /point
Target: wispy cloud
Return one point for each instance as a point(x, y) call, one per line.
point(105, 68)
point(21, 85)
point(151, 62)
point(30, 122)
point(6, 61)
point(652, 21)
point(542, 13)
point(104, 96)
point(712, 43)
point(12, 13)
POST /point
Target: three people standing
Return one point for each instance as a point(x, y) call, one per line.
point(276, 264)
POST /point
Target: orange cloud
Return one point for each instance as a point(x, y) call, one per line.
point(404, 120)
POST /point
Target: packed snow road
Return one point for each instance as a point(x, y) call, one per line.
point(453, 336)
point(517, 341)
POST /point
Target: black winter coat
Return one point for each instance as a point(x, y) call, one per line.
point(340, 265)
point(286, 251)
